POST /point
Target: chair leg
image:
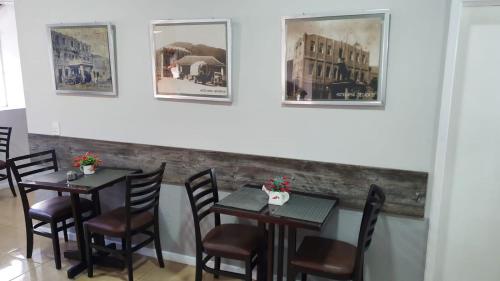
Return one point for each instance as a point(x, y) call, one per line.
point(88, 251)
point(65, 231)
point(291, 273)
point(29, 240)
point(159, 255)
point(303, 276)
point(55, 244)
point(199, 267)
point(248, 270)
point(11, 184)
point(128, 258)
point(217, 267)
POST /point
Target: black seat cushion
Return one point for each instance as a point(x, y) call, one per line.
point(3, 164)
point(317, 254)
point(236, 241)
point(114, 223)
point(57, 208)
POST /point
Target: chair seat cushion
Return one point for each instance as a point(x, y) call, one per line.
point(3, 164)
point(328, 256)
point(114, 222)
point(57, 208)
point(236, 241)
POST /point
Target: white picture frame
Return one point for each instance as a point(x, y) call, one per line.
point(328, 89)
point(188, 61)
point(82, 58)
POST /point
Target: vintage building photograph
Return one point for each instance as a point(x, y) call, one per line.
point(191, 59)
point(334, 59)
point(82, 58)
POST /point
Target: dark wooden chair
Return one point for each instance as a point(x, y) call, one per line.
point(233, 241)
point(50, 211)
point(335, 259)
point(141, 197)
point(4, 147)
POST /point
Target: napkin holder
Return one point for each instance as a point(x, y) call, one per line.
point(276, 197)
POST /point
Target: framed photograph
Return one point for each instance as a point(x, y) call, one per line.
point(82, 57)
point(335, 59)
point(191, 59)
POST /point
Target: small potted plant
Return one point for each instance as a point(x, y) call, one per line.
point(277, 189)
point(87, 162)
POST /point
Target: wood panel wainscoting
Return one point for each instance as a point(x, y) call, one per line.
point(405, 190)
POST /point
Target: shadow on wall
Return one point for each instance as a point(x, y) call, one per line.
point(379, 265)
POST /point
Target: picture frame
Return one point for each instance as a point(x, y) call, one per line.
point(82, 58)
point(191, 59)
point(335, 59)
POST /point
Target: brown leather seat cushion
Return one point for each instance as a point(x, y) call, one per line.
point(236, 241)
point(319, 254)
point(3, 164)
point(114, 222)
point(56, 208)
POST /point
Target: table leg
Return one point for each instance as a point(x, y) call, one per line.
point(261, 266)
point(281, 252)
point(292, 248)
point(270, 252)
point(77, 216)
point(99, 239)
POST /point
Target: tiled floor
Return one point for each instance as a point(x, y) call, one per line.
point(15, 266)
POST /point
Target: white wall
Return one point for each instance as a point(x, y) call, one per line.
point(10, 56)
point(15, 118)
point(401, 136)
point(469, 249)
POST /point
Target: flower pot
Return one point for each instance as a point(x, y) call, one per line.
point(278, 198)
point(88, 169)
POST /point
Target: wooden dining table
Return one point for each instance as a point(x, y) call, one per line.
point(302, 211)
point(86, 184)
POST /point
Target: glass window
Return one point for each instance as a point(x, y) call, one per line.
point(319, 70)
point(313, 46)
point(320, 48)
point(311, 67)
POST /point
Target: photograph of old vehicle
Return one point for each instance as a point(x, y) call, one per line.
point(82, 57)
point(191, 59)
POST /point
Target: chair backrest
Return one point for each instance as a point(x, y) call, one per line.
point(143, 193)
point(29, 165)
point(373, 206)
point(5, 140)
point(202, 193)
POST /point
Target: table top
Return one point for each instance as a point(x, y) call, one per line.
point(303, 210)
point(102, 177)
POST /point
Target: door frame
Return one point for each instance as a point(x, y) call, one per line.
point(439, 201)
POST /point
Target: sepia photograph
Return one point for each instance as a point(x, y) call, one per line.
point(335, 60)
point(82, 57)
point(191, 59)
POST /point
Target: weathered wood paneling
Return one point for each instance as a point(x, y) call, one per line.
point(350, 183)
